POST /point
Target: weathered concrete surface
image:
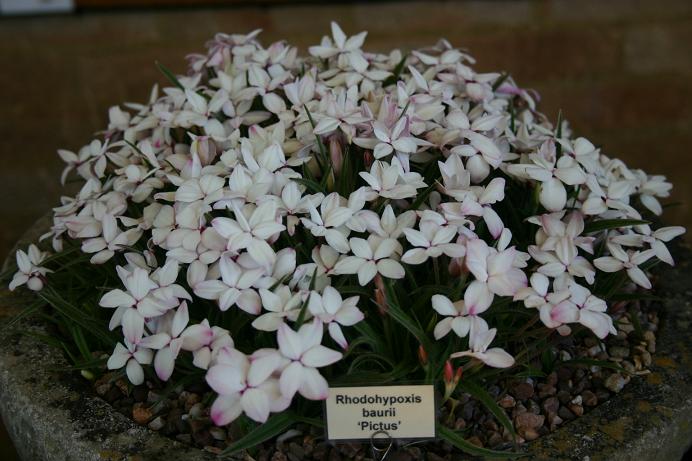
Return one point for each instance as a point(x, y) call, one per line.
point(53, 415)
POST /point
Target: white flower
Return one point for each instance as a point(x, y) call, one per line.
point(371, 256)
point(30, 271)
point(656, 240)
point(306, 355)
point(458, 317)
point(234, 288)
point(433, 240)
point(391, 181)
point(245, 385)
point(339, 111)
point(553, 173)
point(334, 311)
point(652, 188)
point(389, 225)
point(167, 340)
point(330, 222)
point(348, 47)
point(111, 240)
point(132, 357)
point(479, 342)
point(250, 230)
point(141, 301)
point(205, 342)
point(281, 304)
point(494, 271)
point(480, 202)
point(592, 311)
point(628, 260)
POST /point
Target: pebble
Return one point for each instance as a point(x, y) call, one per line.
point(564, 396)
point(529, 420)
point(616, 382)
point(296, 450)
point(551, 405)
point(219, 433)
point(565, 414)
point(589, 398)
point(141, 413)
point(102, 389)
point(112, 395)
point(523, 391)
point(529, 434)
point(507, 401)
point(157, 423)
point(196, 410)
point(578, 410)
point(475, 441)
point(646, 358)
point(619, 352)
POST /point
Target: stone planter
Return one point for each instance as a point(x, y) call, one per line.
point(54, 415)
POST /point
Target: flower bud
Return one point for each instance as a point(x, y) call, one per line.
point(454, 267)
point(422, 355)
point(451, 378)
point(368, 158)
point(205, 148)
point(336, 153)
point(448, 372)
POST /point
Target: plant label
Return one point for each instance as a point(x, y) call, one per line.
point(401, 412)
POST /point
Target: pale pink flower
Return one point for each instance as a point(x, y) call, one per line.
point(245, 385)
point(478, 342)
point(372, 256)
point(334, 311)
point(132, 357)
point(306, 355)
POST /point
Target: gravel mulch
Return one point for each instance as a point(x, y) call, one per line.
point(536, 406)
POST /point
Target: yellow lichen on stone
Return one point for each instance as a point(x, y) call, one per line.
point(665, 362)
point(616, 429)
point(643, 406)
point(654, 379)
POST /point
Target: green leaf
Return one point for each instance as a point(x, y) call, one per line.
point(274, 426)
point(310, 184)
point(458, 441)
point(392, 79)
point(604, 224)
point(401, 317)
point(423, 196)
point(486, 399)
point(500, 80)
point(169, 75)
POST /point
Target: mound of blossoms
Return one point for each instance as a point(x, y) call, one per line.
point(275, 220)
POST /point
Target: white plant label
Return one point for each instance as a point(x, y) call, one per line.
point(403, 412)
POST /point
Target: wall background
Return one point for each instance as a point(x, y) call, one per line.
point(620, 70)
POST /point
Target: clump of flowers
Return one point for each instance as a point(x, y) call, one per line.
point(272, 224)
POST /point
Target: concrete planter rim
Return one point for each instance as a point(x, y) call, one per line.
point(55, 415)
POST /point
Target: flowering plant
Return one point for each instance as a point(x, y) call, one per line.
point(270, 223)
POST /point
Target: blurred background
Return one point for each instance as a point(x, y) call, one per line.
point(620, 71)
